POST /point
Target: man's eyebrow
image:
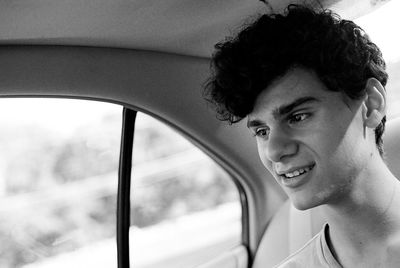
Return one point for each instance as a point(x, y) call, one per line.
point(284, 109)
point(287, 108)
point(254, 123)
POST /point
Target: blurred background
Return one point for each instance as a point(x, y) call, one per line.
point(58, 189)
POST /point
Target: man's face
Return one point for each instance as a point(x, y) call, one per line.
point(312, 140)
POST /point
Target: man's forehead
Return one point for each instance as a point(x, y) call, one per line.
point(285, 88)
point(295, 86)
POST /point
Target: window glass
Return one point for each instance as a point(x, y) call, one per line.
point(380, 26)
point(58, 183)
point(185, 209)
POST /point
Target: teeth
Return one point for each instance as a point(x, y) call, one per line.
point(297, 172)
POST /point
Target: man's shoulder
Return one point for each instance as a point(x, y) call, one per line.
point(315, 253)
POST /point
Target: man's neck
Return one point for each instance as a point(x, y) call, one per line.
point(362, 223)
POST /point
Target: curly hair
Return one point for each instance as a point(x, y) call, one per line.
point(337, 50)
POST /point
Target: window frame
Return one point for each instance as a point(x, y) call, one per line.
point(124, 186)
point(124, 182)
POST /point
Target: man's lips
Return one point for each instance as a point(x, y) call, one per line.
point(295, 171)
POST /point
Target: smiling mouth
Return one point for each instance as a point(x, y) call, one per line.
point(297, 172)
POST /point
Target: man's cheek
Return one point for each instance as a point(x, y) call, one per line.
point(261, 154)
point(264, 160)
point(268, 165)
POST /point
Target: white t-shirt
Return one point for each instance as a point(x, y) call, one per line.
point(315, 253)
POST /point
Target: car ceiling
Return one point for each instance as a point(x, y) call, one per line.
point(186, 27)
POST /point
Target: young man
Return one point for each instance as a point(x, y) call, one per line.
point(312, 88)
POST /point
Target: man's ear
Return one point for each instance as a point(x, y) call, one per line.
point(374, 103)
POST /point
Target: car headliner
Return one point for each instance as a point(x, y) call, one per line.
point(79, 55)
point(189, 27)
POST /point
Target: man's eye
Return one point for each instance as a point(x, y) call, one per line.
point(262, 132)
point(296, 118)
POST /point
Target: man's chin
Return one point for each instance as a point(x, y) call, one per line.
point(303, 204)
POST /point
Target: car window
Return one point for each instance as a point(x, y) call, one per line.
point(185, 209)
point(380, 26)
point(58, 182)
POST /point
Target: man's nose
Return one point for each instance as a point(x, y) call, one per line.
point(279, 146)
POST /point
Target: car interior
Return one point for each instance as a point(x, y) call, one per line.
point(153, 57)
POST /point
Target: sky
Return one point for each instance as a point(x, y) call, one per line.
point(59, 115)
